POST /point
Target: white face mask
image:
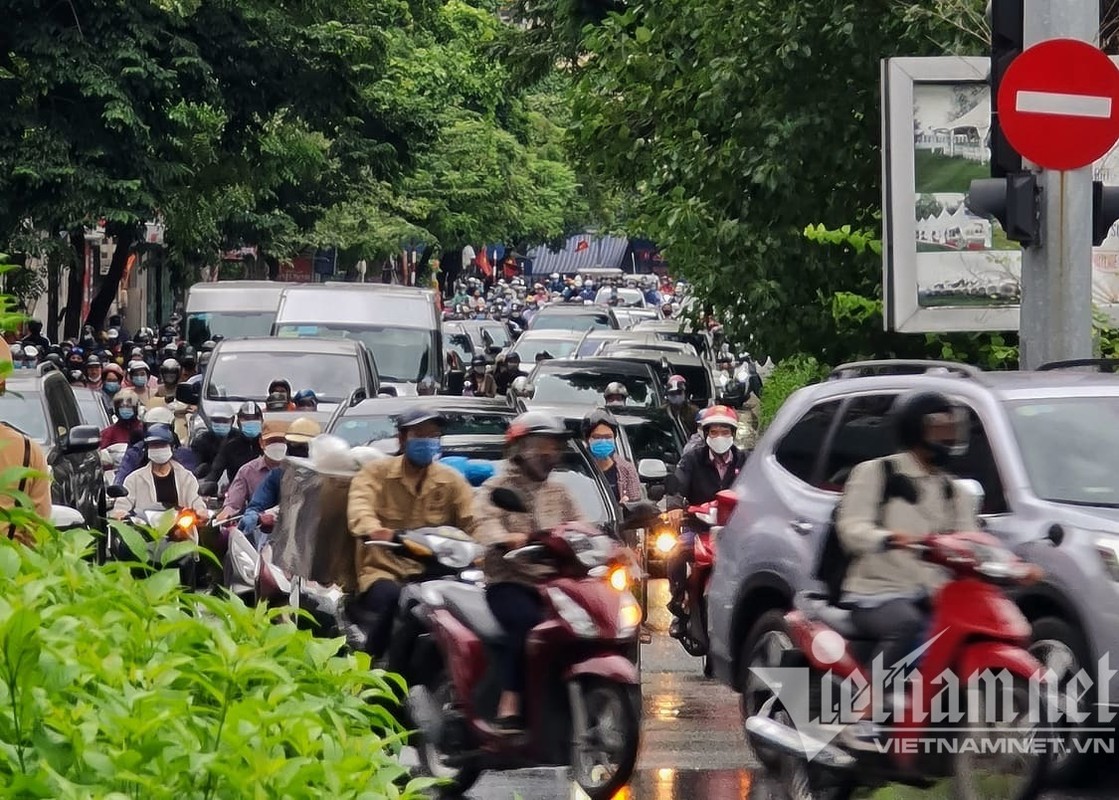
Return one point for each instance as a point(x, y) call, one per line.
point(720, 444)
point(159, 455)
point(276, 451)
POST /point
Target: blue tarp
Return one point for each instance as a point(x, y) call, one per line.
point(584, 251)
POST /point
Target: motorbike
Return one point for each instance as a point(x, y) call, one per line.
point(690, 629)
point(582, 702)
point(976, 629)
point(111, 458)
point(170, 526)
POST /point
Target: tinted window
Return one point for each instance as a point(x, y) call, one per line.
point(799, 450)
point(201, 327)
point(245, 376)
point(401, 354)
point(24, 411)
point(498, 335)
point(866, 432)
point(529, 349)
point(654, 439)
point(461, 344)
point(586, 387)
point(570, 322)
point(362, 430)
point(978, 464)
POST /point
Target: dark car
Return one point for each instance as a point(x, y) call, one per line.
point(582, 382)
point(572, 317)
point(701, 384)
point(43, 406)
point(375, 420)
point(489, 336)
point(92, 407)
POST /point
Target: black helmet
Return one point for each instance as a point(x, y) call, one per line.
point(599, 416)
point(250, 409)
point(911, 415)
point(478, 361)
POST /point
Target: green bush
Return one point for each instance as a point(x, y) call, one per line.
point(789, 375)
point(115, 686)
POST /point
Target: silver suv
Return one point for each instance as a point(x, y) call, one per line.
point(1044, 448)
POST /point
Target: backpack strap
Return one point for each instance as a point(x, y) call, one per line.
point(888, 472)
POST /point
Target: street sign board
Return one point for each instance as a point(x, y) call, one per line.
point(1058, 104)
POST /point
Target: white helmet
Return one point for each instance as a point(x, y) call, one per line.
point(159, 415)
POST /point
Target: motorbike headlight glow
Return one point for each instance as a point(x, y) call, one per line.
point(629, 616)
point(572, 613)
point(619, 579)
point(1108, 548)
point(665, 542)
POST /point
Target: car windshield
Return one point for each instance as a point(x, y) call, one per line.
point(229, 325)
point(586, 387)
point(592, 320)
point(529, 349)
point(24, 410)
point(401, 354)
point(498, 334)
point(359, 430)
point(246, 376)
point(1070, 448)
point(654, 438)
point(626, 297)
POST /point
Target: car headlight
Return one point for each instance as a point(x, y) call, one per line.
point(1108, 548)
point(572, 613)
point(629, 616)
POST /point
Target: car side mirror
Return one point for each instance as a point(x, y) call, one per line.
point(357, 396)
point(189, 394)
point(652, 469)
point(493, 349)
point(973, 489)
point(81, 439)
point(388, 391)
point(116, 492)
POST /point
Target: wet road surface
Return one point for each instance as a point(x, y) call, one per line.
point(692, 742)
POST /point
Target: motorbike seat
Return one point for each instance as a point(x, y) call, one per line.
point(815, 606)
point(468, 605)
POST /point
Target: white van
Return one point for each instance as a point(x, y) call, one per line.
point(231, 309)
point(400, 325)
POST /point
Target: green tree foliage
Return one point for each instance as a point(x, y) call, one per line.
point(739, 123)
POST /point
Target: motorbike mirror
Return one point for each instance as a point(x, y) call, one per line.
point(189, 394)
point(652, 469)
point(1056, 534)
point(509, 500)
point(974, 490)
point(116, 492)
point(638, 514)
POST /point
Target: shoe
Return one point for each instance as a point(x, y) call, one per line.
point(511, 725)
point(676, 608)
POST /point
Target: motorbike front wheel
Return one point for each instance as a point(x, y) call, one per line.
point(459, 775)
point(604, 755)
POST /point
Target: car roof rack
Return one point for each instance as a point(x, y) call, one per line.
point(1101, 364)
point(902, 366)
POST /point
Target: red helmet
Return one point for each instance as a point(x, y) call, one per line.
point(718, 415)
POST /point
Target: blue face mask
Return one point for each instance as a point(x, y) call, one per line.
point(422, 452)
point(222, 428)
point(126, 412)
point(251, 428)
point(112, 387)
point(602, 449)
point(140, 381)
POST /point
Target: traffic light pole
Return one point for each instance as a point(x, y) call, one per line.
point(1056, 317)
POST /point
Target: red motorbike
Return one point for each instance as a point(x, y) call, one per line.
point(707, 520)
point(974, 629)
point(582, 701)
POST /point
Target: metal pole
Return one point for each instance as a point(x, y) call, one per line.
point(1056, 320)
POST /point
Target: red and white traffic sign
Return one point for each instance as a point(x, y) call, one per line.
point(1058, 104)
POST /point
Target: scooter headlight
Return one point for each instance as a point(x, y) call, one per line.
point(629, 616)
point(572, 613)
point(665, 542)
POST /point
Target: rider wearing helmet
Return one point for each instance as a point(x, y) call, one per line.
point(279, 396)
point(207, 444)
point(702, 473)
point(170, 371)
point(535, 443)
point(600, 431)
point(306, 399)
point(127, 426)
point(136, 455)
point(427, 386)
point(296, 444)
point(411, 490)
point(242, 444)
point(481, 380)
point(616, 395)
point(93, 371)
point(678, 408)
point(164, 482)
point(139, 376)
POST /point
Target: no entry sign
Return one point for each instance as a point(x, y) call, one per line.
point(1058, 104)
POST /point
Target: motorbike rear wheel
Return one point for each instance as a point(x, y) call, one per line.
point(603, 761)
point(460, 777)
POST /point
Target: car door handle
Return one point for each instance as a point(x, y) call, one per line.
point(802, 526)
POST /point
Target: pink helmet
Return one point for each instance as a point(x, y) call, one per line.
point(718, 415)
point(676, 383)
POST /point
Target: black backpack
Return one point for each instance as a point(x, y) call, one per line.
point(834, 561)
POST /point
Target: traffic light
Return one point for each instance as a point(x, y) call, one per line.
point(1015, 201)
point(1006, 45)
point(1105, 210)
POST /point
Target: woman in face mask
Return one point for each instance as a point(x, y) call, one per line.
point(535, 444)
point(600, 430)
point(163, 483)
point(126, 423)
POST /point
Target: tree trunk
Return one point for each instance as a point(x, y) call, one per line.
point(75, 285)
point(54, 269)
point(124, 236)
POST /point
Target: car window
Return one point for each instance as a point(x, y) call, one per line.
point(229, 325)
point(498, 335)
point(401, 354)
point(461, 344)
point(359, 430)
point(90, 407)
point(865, 432)
point(586, 387)
point(799, 449)
point(62, 406)
point(978, 464)
point(570, 322)
point(529, 349)
point(246, 375)
point(654, 439)
point(23, 410)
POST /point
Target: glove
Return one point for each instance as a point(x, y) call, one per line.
point(249, 521)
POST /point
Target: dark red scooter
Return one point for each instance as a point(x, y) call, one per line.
point(582, 702)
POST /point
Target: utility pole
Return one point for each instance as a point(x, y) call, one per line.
point(1056, 317)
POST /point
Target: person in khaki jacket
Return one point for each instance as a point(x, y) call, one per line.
point(406, 492)
point(534, 446)
point(19, 450)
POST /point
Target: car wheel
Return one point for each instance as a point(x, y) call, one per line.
point(763, 646)
point(1061, 649)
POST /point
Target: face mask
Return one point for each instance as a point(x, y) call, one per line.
point(126, 412)
point(139, 381)
point(112, 387)
point(602, 449)
point(159, 455)
point(940, 454)
point(720, 444)
point(422, 452)
point(251, 428)
point(222, 429)
point(615, 403)
point(275, 452)
point(676, 399)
